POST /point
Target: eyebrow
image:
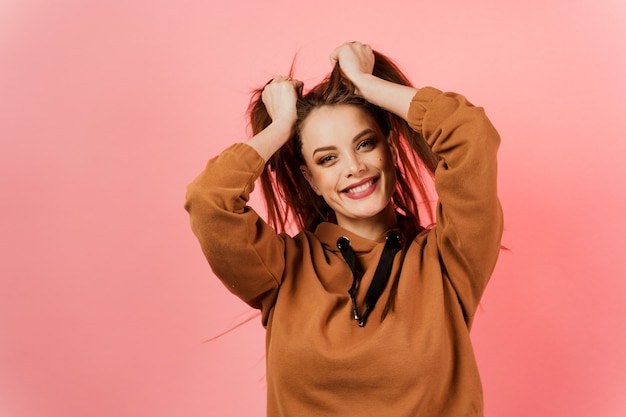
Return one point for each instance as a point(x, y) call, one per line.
point(356, 138)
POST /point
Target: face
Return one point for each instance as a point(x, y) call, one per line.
point(349, 163)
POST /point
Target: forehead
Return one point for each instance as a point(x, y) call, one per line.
point(329, 124)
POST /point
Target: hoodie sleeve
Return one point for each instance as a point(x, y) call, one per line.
point(244, 252)
point(469, 216)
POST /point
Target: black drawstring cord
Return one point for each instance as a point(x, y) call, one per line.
point(381, 275)
point(343, 243)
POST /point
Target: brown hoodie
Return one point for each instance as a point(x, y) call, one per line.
point(418, 361)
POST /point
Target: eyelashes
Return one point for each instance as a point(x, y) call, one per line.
point(362, 146)
point(325, 160)
point(367, 143)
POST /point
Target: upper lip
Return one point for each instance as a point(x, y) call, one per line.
point(357, 184)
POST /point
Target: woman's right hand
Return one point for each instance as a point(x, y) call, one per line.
point(280, 97)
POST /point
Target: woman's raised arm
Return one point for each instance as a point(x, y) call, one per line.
point(356, 61)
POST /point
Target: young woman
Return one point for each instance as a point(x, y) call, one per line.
point(367, 311)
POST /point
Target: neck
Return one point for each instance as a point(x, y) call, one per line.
point(373, 228)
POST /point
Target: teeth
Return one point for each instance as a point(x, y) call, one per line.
point(361, 188)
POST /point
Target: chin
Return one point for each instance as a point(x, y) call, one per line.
point(369, 213)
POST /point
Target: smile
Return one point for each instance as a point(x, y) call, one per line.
point(361, 187)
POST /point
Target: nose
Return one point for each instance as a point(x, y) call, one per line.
point(355, 166)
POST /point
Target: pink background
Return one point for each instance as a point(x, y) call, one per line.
point(108, 109)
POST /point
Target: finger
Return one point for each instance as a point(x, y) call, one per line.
point(334, 55)
point(281, 78)
point(354, 46)
point(299, 86)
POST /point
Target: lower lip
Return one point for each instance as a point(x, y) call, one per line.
point(364, 193)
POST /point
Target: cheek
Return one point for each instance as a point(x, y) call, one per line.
point(385, 162)
point(326, 179)
point(321, 178)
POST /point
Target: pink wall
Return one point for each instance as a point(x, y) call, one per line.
point(108, 109)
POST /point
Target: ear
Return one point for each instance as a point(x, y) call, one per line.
point(307, 175)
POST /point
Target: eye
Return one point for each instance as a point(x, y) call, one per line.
point(366, 144)
point(326, 159)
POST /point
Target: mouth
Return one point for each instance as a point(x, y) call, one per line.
point(360, 187)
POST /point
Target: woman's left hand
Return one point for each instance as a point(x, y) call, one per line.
point(355, 60)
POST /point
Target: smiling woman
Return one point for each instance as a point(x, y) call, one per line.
point(349, 163)
point(343, 162)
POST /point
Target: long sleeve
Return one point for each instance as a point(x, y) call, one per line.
point(469, 216)
point(244, 252)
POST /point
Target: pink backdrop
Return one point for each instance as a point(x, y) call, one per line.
point(108, 110)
